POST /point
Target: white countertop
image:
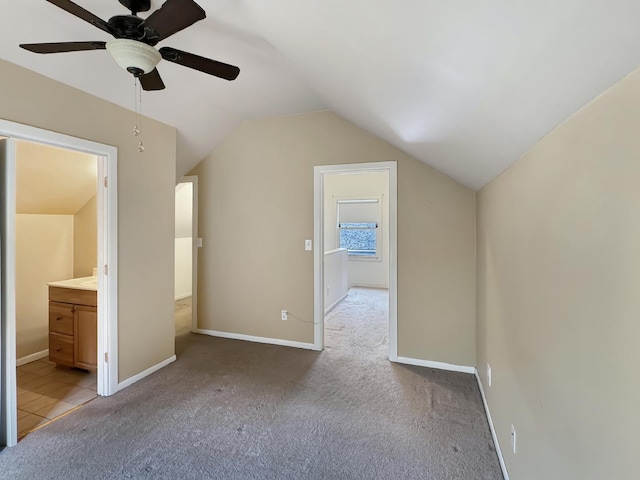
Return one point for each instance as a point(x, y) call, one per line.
point(83, 283)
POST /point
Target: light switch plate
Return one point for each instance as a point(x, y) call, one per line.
point(308, 245)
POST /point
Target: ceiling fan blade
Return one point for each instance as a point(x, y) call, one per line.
point(173, 16)
point(206, 65)
point(63, 47)
point(152, 81)
point(80, 12)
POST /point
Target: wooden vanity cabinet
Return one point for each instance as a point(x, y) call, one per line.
point(61, 330)
point(85, 346)
point(73, 327)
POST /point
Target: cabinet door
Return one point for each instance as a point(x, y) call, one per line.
point(61, 349)
point(86, 337)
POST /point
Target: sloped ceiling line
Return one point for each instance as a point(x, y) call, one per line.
point(466, 87)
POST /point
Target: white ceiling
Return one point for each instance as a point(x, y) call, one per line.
point(465, 86)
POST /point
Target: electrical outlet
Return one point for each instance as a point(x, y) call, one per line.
point(284, 315)
point(489, 374)
point(513, 438)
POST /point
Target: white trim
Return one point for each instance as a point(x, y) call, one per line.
point(318, 259)
point(182, 297)
point(370, 285)
point(393, 262)
point(32, 358)
point(334, 304)
point(9, 401)
point(251, 338)
point(379, 226)
point(318, 234)
point(193, 179)
point(503, 466)
point(438, 365)
point(358, 200)
point(107, 216)
point(107, 235)
point(131, 380)
point(334, 251)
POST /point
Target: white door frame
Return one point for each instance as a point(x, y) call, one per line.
point(107, 216)
point(195, 245)
point(319, 173)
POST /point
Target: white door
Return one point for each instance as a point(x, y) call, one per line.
point(8, 410)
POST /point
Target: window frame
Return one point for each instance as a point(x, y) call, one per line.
point(377, 257)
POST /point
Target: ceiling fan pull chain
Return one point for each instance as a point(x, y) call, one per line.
point(137, 128)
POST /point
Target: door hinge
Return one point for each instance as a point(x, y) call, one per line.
point(106, 181)
point(106, 357)
point(106, 269)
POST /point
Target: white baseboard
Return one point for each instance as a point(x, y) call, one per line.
point(180, 297)
point(32, 358)
point(503, 466)
point(336, 303)
point(131, 380)
point(438, 365)
point(370, 285)
point(251, 338)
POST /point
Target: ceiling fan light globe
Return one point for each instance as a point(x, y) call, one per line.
point(133, 54)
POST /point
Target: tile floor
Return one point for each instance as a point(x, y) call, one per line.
point(46, 391)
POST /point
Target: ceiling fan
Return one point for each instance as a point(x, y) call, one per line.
point(135, 39)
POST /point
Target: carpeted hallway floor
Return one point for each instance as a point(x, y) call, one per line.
point(229, 409)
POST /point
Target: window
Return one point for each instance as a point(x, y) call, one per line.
point(359, 238)
point(358, 222)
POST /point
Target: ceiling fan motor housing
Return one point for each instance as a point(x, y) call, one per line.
point(133, 55)
point(136, 6)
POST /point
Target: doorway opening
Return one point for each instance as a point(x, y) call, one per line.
point(355, 257)
point(186, 255)
point(58, 288)
point(56, 282)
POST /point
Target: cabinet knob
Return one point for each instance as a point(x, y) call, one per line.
point(58, 319)
point(58, 349)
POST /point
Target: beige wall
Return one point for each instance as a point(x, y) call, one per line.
point(85, 239)
point(558, 302)
point(44, 253)
point(362, 272)
point(146, 185)
point(183, 267)
point(256, 210)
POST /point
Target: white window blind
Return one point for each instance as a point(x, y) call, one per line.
point(358, 211)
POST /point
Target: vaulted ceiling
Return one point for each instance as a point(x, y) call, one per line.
point(53, 181)
point(465, 86)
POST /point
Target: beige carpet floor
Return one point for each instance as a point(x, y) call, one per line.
point(230, 409)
